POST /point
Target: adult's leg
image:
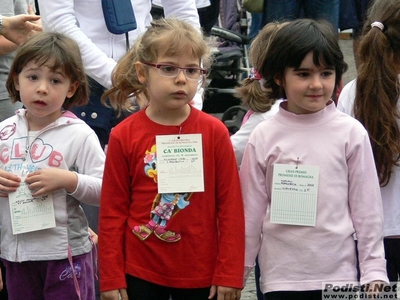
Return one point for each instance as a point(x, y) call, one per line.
point(361, 7)
point(279, 10)
point(323, 9)
point(255, 26)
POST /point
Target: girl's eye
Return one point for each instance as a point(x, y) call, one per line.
point(302, 74)
point(55, 81)
point(168, 69)
point(327, 73)
point(192, 71)
point(32, 77)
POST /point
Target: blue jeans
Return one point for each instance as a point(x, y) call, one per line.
point(278, 10)
point(255, 26)
point(361, 7)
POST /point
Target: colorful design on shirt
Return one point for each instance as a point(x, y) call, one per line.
point(164, 207)
point(150, 160)
point(38, 151)
point(8, 131)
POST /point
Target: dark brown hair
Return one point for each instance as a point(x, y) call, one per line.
point(62, 52)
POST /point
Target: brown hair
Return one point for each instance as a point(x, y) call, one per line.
point(63, 52)
point(250, 91)
point(378, 90)
point(169, 36)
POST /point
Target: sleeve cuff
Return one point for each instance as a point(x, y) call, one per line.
point(247, 272)
point(373, 270)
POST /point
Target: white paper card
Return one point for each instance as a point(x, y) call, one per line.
point(180, 163)
point(294, 194)
point(29, 213)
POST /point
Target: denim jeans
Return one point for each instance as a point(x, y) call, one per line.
point(279, 10)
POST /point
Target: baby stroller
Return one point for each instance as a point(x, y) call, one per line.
point(230, 66)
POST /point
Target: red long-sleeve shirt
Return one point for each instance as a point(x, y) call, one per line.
point(211, 248)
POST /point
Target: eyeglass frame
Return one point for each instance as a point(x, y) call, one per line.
point(158, 66)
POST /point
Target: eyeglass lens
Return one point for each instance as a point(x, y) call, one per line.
point(172, 71)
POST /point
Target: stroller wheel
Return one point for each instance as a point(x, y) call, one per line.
point(233, 117)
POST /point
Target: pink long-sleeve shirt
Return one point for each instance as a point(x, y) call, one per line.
point(348, 201)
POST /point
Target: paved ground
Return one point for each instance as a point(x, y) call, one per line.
point(347, 49)
point(249, 292)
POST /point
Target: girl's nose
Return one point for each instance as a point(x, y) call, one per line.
point(316, 83)
point(42, 86)
point(181, 76)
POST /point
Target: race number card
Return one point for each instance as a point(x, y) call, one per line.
point(294, 195)
point(30, 213)
point(180, 163)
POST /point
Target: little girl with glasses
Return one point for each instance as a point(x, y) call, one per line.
point(171, 216)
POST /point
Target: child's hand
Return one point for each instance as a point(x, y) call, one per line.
point(114, 295)
point(43, 182)
point(93, 236)
point(225, 293)
point(1, 281)
point(8, 183)
point(374, 289)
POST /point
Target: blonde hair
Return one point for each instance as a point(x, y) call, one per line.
point(59, 50)
point(168, 36)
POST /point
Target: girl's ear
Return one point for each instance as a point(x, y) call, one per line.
point(277, 80)
point(140, 72)
point(72, 89)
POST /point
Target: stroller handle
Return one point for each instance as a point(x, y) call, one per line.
point(229, 35)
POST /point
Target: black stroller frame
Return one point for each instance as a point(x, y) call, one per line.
point(231, 65)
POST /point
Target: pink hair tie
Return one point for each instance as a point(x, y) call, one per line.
point(254, 75)
point(378, 24)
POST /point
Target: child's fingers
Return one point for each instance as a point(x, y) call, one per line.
point(30, 10)
point(9, 183)
point(213, 292)
point(9, 176)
